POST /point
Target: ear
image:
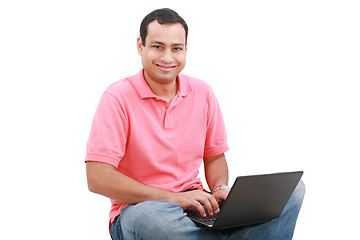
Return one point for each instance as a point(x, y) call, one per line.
point(139, 46)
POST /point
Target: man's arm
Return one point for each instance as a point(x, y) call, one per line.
point(216, 174)
point(104, 179)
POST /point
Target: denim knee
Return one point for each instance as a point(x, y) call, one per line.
point(296, 199)
point(299, 192)
point(152, 219)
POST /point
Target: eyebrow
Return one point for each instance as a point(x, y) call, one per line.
point(174, 44)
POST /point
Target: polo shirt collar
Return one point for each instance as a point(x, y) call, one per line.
point(144, 91)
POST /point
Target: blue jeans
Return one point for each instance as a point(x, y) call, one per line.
point(163, 220)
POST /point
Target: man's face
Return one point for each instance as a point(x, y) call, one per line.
point(164, 54)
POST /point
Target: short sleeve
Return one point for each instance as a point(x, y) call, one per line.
point(216, 138)
point(108, 134)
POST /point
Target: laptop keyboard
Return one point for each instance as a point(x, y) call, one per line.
point(208, 220)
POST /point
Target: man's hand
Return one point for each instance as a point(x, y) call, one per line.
point(196, 199)
point(221, 195)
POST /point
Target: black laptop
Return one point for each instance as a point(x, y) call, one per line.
point(252, 200)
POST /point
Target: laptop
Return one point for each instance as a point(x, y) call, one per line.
point(252, 200)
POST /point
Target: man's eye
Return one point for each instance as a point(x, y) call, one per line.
point(157, 47)
point(178, 49)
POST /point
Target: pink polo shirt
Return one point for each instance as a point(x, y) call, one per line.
point(153, 142)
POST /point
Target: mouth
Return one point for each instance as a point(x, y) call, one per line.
point(166, 68)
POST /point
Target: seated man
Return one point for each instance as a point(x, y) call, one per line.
point(149, 136)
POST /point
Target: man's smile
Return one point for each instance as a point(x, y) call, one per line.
point(166, 68)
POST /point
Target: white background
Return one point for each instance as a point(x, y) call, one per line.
point(286, 74)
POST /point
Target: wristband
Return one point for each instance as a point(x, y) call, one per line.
point(225, 187)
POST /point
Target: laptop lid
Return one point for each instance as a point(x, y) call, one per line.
point(256, 199)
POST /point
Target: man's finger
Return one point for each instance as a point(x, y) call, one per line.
point(199, 207)
point(210, 204)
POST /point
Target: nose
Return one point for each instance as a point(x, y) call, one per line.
point(166, 56)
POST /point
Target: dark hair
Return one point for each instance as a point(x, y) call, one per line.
point(163, 15)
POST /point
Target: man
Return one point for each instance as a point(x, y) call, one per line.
point(149, 136)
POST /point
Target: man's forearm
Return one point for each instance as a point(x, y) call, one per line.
point(105, 180)
point(216, 171)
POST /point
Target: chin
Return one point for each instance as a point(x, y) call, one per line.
point(168, 76)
